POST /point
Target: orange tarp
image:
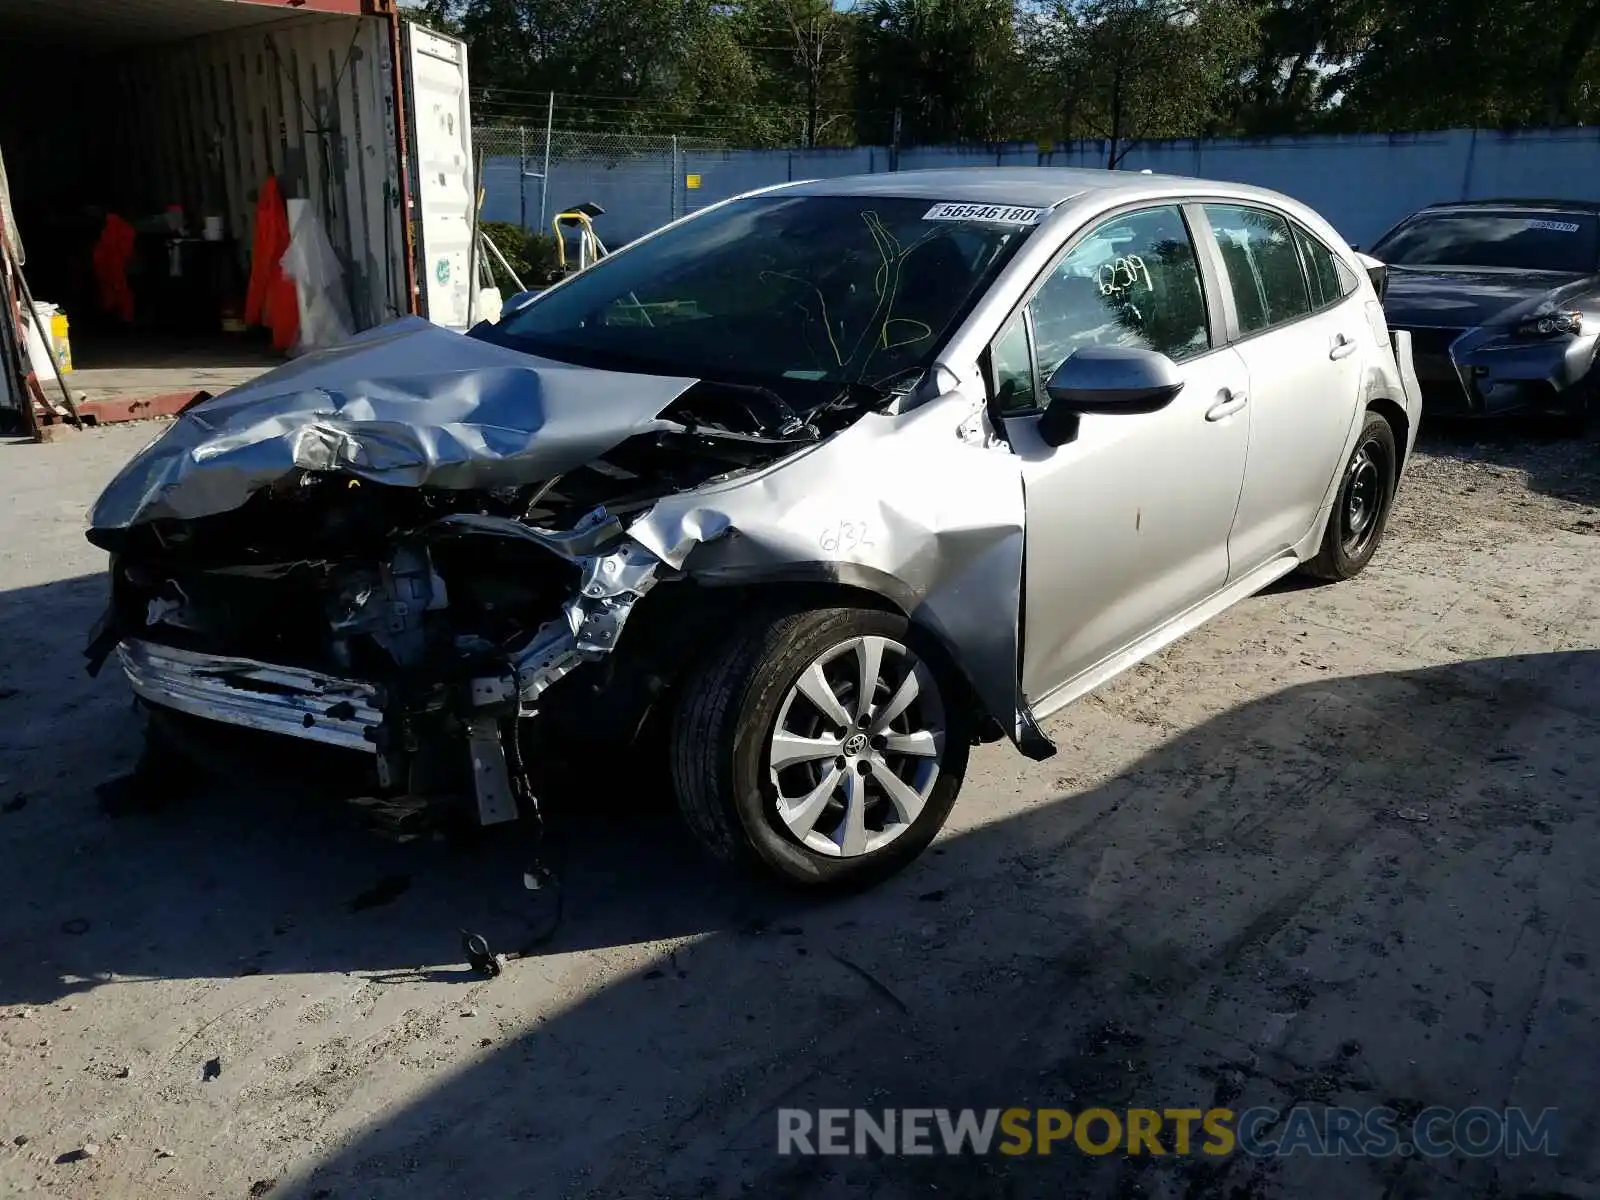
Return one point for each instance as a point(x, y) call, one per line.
point(111, 255)
point(271, 300)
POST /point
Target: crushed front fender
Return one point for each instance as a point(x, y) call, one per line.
point(899, 504)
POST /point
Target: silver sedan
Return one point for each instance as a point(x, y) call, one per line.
point(822, 485)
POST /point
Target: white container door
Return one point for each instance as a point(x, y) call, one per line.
point(440, 118)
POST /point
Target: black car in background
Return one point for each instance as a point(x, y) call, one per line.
point(1502, 299)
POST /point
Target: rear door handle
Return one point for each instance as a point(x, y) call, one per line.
point(1342, 346)
point(1229, 402)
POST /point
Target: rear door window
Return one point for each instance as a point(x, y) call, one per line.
point(1328, 285)
point(1263, 264)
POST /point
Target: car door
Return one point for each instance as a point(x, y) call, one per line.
point(1127, 523)
point(1299, 332)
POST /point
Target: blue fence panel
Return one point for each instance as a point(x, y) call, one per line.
point(1362, 183)
point(1562, 164)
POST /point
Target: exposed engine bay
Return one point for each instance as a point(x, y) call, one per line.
point(442, 615)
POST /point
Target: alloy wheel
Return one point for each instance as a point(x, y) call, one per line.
point(855, 750)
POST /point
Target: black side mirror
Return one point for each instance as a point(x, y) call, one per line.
point(516, 302)
point(1106, 379)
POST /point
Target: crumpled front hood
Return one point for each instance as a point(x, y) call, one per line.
point(408, 404)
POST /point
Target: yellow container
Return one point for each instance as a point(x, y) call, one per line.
point(60, 342)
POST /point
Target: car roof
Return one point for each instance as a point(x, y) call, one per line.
point(1039, 187)
point(1583, 206)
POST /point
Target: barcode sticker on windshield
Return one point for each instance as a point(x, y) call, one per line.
point(1555, 226)
point(1000, 214)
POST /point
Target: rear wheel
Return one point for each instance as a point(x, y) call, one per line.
point(824, 749)
point(1361, 505)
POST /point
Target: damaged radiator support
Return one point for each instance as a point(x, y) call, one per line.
point(588, 629)
point(447, 690)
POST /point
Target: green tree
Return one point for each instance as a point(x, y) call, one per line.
point(625, 66)
point(765, 72)
point(1291, 80)
point(951, 69)
point(802, 49)
point(1123, 70)
point(1471, 62)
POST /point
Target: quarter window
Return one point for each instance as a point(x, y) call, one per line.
point(1348, 280)
point(1011, 366)
point(1263, 266)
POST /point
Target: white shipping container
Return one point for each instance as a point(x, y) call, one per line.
point(132, 106)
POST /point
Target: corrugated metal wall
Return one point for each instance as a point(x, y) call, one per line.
point(311, 99)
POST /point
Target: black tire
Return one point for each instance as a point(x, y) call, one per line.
point(720, 735)
point(1361, 505)
point(1582, 406)
point(167, 771)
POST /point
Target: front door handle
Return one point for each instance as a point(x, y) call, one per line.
point(1228, 403)
point(1342, 346)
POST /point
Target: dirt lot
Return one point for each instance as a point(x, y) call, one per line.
point(1222, 890)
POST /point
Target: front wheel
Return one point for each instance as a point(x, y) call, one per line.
point(1581, 405)
point(1361, 505)
point(823, 748)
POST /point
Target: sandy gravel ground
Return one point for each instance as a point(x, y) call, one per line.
point(1222, 890)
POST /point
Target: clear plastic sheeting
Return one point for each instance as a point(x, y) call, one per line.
point(407, 404)
point(313, 265)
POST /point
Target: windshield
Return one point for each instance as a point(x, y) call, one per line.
point(830, 289)
point(1530, 241)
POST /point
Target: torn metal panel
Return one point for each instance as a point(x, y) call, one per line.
point(592, 620)
point(491, 775)
point(901, 505)
point(408, 404)
point(912, 505)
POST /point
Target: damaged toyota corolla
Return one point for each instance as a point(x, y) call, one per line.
point(826, 483)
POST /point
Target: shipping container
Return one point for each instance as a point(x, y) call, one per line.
point(172, 115)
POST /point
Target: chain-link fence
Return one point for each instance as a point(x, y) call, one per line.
point(639, 180)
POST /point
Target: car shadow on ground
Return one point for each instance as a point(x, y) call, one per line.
point(1367, 890)
point(269, 869)
point(1558, 465)
point(1350, 892)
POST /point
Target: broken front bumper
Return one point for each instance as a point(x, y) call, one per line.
point(256, 695)
point(356, 715)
